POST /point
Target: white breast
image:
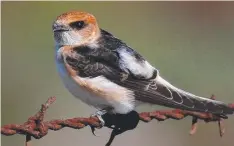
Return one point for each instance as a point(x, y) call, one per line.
point(123, 104)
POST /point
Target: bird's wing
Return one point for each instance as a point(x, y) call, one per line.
point(154, 91)
point(129, 60)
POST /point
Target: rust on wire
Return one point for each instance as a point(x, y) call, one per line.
point(37, 128)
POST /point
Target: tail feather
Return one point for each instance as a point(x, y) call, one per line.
point(190, 101)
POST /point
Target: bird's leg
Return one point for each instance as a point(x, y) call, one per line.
point(99, 115)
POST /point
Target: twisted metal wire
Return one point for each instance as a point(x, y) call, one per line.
point(37, 128)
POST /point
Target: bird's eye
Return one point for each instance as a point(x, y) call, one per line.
point(77, 24)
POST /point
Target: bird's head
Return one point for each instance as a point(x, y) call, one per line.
point(75, 28)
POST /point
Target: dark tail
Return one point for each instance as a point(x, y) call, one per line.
point(188, 101)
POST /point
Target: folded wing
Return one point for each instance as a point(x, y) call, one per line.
point(155, 91)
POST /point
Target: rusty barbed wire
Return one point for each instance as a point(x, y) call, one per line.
point(37, 128)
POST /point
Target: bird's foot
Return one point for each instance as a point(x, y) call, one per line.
point(99, 115)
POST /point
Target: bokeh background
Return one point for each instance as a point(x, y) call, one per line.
point(191, 43)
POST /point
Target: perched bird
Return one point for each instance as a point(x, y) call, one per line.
point(106, 73)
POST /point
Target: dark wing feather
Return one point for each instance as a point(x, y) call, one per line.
point(157, 93)
point(105, 61)
point(150, 91)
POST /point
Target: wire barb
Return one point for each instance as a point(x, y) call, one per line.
point(36, 126)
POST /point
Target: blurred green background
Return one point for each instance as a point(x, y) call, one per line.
point(191, 43)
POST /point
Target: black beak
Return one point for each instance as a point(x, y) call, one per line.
point(59, 27)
